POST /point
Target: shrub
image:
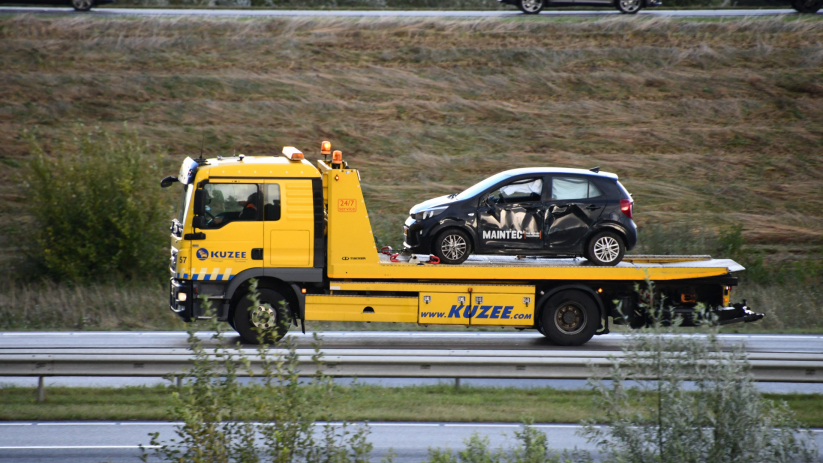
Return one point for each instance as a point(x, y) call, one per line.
point(725, 419)
point(97, 210)
point(270, 420)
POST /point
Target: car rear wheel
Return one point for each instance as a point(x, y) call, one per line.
point(452, 246)
point(606, 248)
point(530, 6)
point(82, 5)
point(266, 321)
point(629, 6)
point(569, 318)
point(807, 6)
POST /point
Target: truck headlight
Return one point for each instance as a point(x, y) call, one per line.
point(181, 297)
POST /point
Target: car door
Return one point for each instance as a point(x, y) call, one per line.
point(233, 231)
point(510, 216)
point(289, 223)
point(574, 205)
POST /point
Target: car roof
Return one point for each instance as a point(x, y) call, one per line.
point(556, 170)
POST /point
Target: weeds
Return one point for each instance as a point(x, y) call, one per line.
point(270, 420)
point(724, 420)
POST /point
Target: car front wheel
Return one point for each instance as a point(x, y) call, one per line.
point(530, 6)
point(82, 5)
point(606, 248)
point(452, 246)
point(629, 6)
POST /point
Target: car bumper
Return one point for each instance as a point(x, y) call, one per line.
point(417, 235)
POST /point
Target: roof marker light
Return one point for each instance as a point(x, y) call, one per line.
point(293, 153)
point(325, 148)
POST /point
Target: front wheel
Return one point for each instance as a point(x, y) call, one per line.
point(569, 318)
point(530, 6)
point(606, 248)
point(82, 5)
point(267, 321)
point(452, 246)
point(807, 6)
point(629, 6)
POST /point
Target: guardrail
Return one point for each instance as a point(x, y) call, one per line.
point(384, 363)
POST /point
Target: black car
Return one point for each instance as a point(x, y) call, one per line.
point(78, 5)
point(624, 6)
point(532, 211)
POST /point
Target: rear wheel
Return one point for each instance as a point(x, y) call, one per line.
point(606, 248)
point(530, 6)
point(452, 246)
point(267, 321)
point(629, 6)
point(807, 6)
point(569, 318)
point(82, 5)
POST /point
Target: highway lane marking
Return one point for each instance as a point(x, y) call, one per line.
point(483, 425)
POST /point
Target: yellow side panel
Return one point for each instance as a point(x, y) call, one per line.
point(289, 248)
point(503, 309)
point(444, 308)
point(361, 308)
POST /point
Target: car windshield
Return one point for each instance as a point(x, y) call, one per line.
point(482, 186)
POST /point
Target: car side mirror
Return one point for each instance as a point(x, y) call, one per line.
point(199, 202)
point(198, 221)
point(168, 181)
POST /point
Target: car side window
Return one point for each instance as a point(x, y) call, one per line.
point(526, 190)
point(565, 188)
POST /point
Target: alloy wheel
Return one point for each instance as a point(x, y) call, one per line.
point(453, 247)
point(606, 249)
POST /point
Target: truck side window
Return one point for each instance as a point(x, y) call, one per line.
point(271, 211)
point(574, 188)
point(229, 202)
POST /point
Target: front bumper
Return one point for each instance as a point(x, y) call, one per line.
point(417, 235)
point(185, 308)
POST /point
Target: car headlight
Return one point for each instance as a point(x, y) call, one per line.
point(428, 213)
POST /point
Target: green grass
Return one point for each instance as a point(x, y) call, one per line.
point(417, 403)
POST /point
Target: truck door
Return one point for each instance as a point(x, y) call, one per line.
point(575, 204)
point(511, 217)
point(288, 223)
point(233, 229)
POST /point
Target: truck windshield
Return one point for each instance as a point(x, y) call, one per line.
point(182, 205)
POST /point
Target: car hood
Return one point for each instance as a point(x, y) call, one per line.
point(439, 201)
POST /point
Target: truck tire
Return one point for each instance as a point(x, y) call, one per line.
point(629, 6)
point(530, 6)
point(569, 318)
point(266, 322)
point(606, 248)
point(807, 6)
point(453, 246)
point(82, 5)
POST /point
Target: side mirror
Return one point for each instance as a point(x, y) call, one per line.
point(199, 202)
point(198, 221)
point(168, 181)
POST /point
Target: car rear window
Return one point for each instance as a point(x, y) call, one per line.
point(574, 188)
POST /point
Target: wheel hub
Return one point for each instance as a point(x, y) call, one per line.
point(263, 317)
point(570, 319)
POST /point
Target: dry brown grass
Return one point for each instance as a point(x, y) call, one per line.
point(707, 123)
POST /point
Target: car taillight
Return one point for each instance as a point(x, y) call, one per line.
point(626, 206)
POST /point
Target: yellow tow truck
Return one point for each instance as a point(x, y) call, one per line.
point(302, 232)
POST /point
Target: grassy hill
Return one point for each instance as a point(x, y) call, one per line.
point(709, 123)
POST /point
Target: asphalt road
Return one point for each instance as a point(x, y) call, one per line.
point(388, 13)
point(118, 441)
point(450, 341)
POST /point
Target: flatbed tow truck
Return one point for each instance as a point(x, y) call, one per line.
point(312, 254)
